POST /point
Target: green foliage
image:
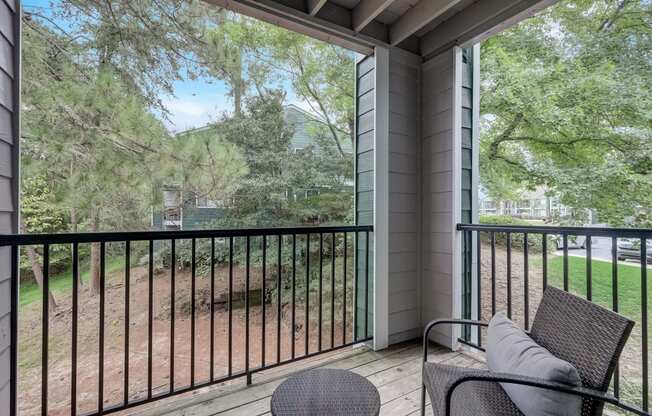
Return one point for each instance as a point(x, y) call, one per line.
point(501, 220)
point(41, 214)
point(93, 119)
point(534, 242)
point(566, 104)
point(321, 74)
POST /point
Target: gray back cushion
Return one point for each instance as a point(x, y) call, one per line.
point(511, 350)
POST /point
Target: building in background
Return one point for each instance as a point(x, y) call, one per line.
point(187, 210)
point(534, 205)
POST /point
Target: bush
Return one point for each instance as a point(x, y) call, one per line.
point(535, 241)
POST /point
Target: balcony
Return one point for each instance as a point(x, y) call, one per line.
point(210, 322)
point(152, 342)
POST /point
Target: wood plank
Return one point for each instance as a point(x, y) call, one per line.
point(366, 65)
point(254, 408)
point(5, 160)
point(477, 22)
point(6, 202)
point(6, 91)
point(417, 17)
point(7, 22)
point(6, 134)
point(314, 6)
point(365, 83)
point(395, 371)
point(6, 56)
point(231, 394)
point(365, 102)
point(11, 4)
point(366, 11)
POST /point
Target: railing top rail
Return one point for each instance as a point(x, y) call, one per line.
point(553, 230)
point(69, 238)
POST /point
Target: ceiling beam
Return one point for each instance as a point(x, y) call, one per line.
point(314, 6)
point(477, 22)
point(417, 17)
point(333, 26)
point(366, 11)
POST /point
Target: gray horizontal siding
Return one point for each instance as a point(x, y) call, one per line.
point(5, 126)
point(7, 21)
point(437, 188)
point(6, 56)
point(364, 185)
point(7, 195)
point(403, 273)
point(6, 91)
point(9, 29)
point(5, 160)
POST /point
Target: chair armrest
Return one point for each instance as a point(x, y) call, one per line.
point(432, 324)
point(583, 392)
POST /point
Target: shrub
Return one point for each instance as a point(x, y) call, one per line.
point(535, 241)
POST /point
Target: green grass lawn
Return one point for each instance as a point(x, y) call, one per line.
point(62, 282)
point(629, 282)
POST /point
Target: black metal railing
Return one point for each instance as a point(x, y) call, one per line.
point(280, 307)
point(493, 281)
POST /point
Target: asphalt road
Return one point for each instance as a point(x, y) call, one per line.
point(600, 250)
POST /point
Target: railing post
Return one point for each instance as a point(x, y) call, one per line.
point(149, 391)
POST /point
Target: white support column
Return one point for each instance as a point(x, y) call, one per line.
point(381, 200)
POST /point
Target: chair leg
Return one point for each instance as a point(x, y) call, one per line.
point(423, 400)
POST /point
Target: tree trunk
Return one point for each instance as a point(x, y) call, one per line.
point(95, 253)
point(74, 220)
point(38, 271)
point(238, 84)
point(38, 275)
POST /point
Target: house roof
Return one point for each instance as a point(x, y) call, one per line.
point(301, 121)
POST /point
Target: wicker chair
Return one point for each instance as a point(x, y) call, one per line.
point(575, 330)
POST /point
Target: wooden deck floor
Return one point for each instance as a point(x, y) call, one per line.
point(396, 372)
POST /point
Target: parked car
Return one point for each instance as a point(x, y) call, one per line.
point(630, 248)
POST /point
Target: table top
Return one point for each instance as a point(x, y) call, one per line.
point(326, 392)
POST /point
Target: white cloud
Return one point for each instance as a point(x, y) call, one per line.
point(187, 112)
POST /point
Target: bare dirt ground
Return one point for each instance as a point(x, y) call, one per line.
point(630, 362)
point(88, 360)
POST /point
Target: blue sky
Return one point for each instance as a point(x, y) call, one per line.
point(195, 102)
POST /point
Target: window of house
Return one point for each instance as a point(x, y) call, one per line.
point(204, 202)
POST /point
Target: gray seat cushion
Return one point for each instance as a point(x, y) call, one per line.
point(473, 398)
point(511, 350)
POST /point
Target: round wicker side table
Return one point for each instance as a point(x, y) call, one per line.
point(326, 392)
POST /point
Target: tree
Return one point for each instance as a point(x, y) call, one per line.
point(263, 138)
point(91, 87)
point(40, 213)
point(93, 120)
point(83, 116)
point(566, 103)
point(205, 164)
point(321, 74)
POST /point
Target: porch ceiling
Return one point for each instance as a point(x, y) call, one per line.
point(423, 27)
